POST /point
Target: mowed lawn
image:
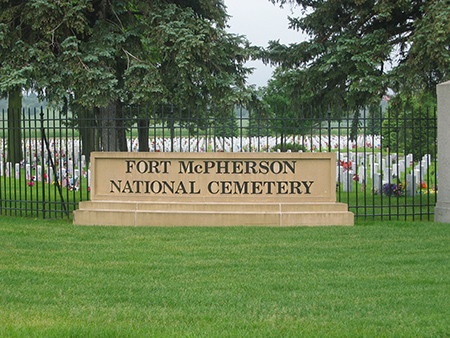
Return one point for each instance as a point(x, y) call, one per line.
point(386, 279)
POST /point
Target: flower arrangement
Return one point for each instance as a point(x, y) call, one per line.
point(346, 165)
point(392, 189)
point(31, 182)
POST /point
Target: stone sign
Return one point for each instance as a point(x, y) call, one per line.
point(218, 176)
point(213, 189)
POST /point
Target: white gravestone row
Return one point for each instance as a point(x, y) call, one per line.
point(36, 151)
point(382, 170)
point(45, 173)
point(237, 144)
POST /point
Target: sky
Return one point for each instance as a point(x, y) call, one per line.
point(261, 21)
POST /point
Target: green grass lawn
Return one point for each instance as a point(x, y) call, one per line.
point(370, 280)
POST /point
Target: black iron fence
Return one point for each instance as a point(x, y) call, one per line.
point(386, 167)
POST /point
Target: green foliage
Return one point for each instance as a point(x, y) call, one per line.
point(359, 49)
point(375, 114)
point(410, 126)
point(103, 54)
point(146, 52)
point(132, 51)
point(260, 122)
point(293, 147)
point(226, 124)
point(283, 101)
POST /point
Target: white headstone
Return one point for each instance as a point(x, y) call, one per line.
point(417, 176)
point(409, 160)
point(8, 169)
point(17, 170)
point(361, 160)
point(38, 173)
point(423, 172)
point(351, 156)
point(348, 181)
point(377, 182)
point(50, 175)
point(28, 171)
point(362, 174)
point(354, 166)
point(388, 160)
point(70, 166)
point(395, 170)
point(410, 185)
point(387, 176)
point(375, 169)
point(342, 172)
point(427, 159)
point(378, 157)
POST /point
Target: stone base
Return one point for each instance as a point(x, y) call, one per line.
point(442, 212)
point(211, 214)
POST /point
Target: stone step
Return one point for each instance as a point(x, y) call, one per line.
point(212, 206)
point(212, 214)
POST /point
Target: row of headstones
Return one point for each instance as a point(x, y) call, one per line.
point(234, 144)
point(71, 148)
point(57, 158)
point(389, 172)
point(60, 149)
point(62, 174)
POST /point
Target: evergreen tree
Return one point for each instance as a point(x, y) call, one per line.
point(410, 126)
point(359, 48)
point(106, 53)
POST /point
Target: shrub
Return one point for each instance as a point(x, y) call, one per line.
point(293, 147)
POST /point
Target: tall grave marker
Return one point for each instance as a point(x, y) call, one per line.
point(442, 209)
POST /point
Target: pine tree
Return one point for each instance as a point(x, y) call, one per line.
point(359, 48)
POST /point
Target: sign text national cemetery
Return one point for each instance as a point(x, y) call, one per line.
point(213, 189)
point(223, 177)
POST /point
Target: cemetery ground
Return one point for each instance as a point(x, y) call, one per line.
point(375, 279)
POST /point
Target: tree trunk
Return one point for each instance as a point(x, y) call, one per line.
point(120, 126)
point(112, 130)
point(143, 134)
point(15, 154)
point(88, 132)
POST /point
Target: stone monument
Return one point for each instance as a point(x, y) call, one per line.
point(442, 209)
point(213, 189)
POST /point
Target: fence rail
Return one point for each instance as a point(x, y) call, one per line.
point(386, 168)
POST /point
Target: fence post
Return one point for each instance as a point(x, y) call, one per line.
point(442, 209)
